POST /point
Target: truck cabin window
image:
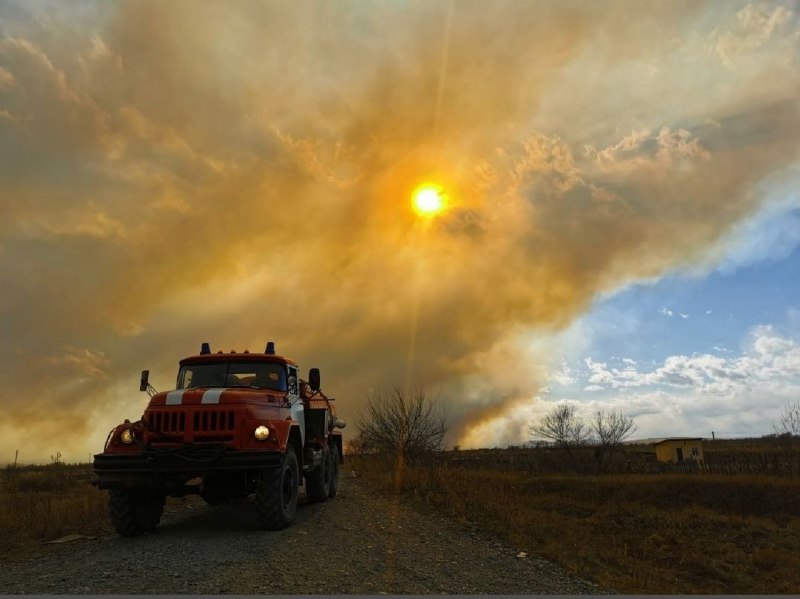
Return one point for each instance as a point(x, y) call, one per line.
point(233, 374)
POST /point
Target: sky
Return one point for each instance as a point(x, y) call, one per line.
point(621, 225)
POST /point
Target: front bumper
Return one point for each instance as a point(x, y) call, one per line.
point(169, 464)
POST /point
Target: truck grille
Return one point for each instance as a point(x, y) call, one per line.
point(205, 425)
point(213, 421)
point(167, 422)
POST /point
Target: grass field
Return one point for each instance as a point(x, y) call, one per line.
point(655, 534)
point(652, 534)
point(40, 503)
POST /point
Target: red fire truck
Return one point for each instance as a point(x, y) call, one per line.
point(236, 424)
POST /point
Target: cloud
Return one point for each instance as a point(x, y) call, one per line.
point(643, 151)
point(624, 148)
point(771, 359)
point(754, 27)
point(693, 395)
point(679, 145)
point(564, 376)
point(174, 173)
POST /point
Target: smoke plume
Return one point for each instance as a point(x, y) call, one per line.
point(178, 172)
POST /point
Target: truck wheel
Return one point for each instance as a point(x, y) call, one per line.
point(318, 481)
point(334, 470)
point(276, 495)
point(134, 511)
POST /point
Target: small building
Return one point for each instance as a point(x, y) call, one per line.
point(674, 449)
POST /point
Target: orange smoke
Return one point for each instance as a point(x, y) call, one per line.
point(185, 172)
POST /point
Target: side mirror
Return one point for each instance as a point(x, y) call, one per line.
point(145, 380)
point(313, 379)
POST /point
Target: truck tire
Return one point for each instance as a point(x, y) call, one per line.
point(276, 495)
point(318, 481)
point(134, 511)
point(334, 470)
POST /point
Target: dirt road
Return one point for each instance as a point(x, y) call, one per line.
point(357, 543)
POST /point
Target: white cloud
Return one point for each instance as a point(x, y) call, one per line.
point(564, 376)
point(769, 357)
point(600, 373)
point(665, 311)
point(702, 392)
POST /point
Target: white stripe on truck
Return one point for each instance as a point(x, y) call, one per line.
point(212, 395)
point(175, 398)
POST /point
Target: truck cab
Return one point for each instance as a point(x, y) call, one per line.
point(236, 424)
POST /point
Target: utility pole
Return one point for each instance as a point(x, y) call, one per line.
point(713, 438)
point(16, 455)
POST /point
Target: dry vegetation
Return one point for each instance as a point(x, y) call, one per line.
point(658, 533)
point(41, 503)
point(662, 533)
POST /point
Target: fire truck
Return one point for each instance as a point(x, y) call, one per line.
point(236, 424)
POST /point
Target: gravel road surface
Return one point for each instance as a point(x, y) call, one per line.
point(358, 543)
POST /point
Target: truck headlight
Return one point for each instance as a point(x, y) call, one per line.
point(126, 436)
point(261, 433)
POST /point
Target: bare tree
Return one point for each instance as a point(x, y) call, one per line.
point(610, 430)
point(403, 423)
point(564, 428)
point(789, 421)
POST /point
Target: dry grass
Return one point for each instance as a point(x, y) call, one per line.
point(40, 503)
point(675, 533)
point(692, 534)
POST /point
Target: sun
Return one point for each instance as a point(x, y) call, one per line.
point(428, 199)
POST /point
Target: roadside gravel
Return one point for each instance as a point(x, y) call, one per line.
point(357, 543)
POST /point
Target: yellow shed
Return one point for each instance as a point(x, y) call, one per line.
point(679, 449)
point(670, 449)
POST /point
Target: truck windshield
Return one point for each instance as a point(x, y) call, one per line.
point(262, 375)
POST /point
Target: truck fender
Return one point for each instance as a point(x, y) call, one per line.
point(295, 442)
point(299, 416)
